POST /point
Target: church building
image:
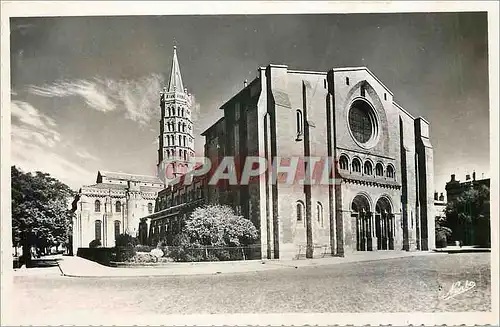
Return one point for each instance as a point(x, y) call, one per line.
point(117, 202)
point(381, 155)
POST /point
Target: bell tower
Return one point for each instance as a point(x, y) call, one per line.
point(176, 140)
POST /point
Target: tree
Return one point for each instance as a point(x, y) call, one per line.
point(217, 225)
point(468, 215)
point(40, 213)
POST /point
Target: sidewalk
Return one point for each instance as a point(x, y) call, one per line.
point(79, 267)
point(463, 249)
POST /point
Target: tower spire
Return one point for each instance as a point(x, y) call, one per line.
point(175, 83)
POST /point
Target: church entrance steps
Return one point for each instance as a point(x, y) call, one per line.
point(79, 267)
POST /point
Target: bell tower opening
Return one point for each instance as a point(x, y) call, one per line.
point(176, 139)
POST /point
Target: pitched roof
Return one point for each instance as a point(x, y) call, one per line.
point(175, 83)
point(129, 177)
point(107, 186)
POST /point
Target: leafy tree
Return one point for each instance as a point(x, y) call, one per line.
point(40, 212)
point(217, 225)
point(126, 240)
point(468, 215)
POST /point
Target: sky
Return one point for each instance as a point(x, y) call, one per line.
point(85, 90)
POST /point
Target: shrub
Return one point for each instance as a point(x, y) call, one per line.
point(157, 253)
point(126, 240)
point(143, 248)
point(442, 232)
point(143, 258)
point(95, 244)
point(124, 254)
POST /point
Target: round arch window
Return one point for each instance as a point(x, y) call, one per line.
point(363, 122)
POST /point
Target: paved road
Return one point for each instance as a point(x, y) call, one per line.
point(393, 285)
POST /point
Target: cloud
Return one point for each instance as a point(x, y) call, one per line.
point(86, 155)
point(93, 92)
point(138, 99)
point(35, 146)
point(32, 156)
point(30, 124)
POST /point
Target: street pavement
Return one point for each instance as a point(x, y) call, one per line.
point(79, 267)
point(406, 284)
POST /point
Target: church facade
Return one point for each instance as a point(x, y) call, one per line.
point(113, 205)
point(381, 192)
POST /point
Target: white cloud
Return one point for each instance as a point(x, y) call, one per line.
point(30, 156)
point(85, 155)
point(33, 125)
point(93, 92)
point(35, 143)
point(137, 98)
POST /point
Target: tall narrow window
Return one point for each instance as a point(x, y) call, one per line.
point(362, 90)
point(344, 163)
point(118, 206)
point(184, 140)
point(390, 172)
point(117, 228)
point(300, 211)
point(319, 212)
point(379, 169)
point(347, 81)
point(356, 165)
point(150, 207)
point(368, 168)
point(97, 206)
point(299, 124)
point(98, 229)
point(180, 139)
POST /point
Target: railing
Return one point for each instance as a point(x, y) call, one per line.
point(212, 253)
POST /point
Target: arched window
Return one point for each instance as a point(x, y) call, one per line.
point(169, 111)
point(117, 228)
point(180, 140)
point(184, 140)
point(356, 165)
point(150, 207)
point(344, 163)
point(98, 229)
point(379, 169)
point(118, 206)
point(300, 124)
point(185, 155)
point(178, 114)
point(97, 206)
point(180, 153)
point(182, 112)
point(319, 213)
point(368, 168)
point(390, 172)
point(300, 211)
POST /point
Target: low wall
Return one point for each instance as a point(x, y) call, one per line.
point(104, 256)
